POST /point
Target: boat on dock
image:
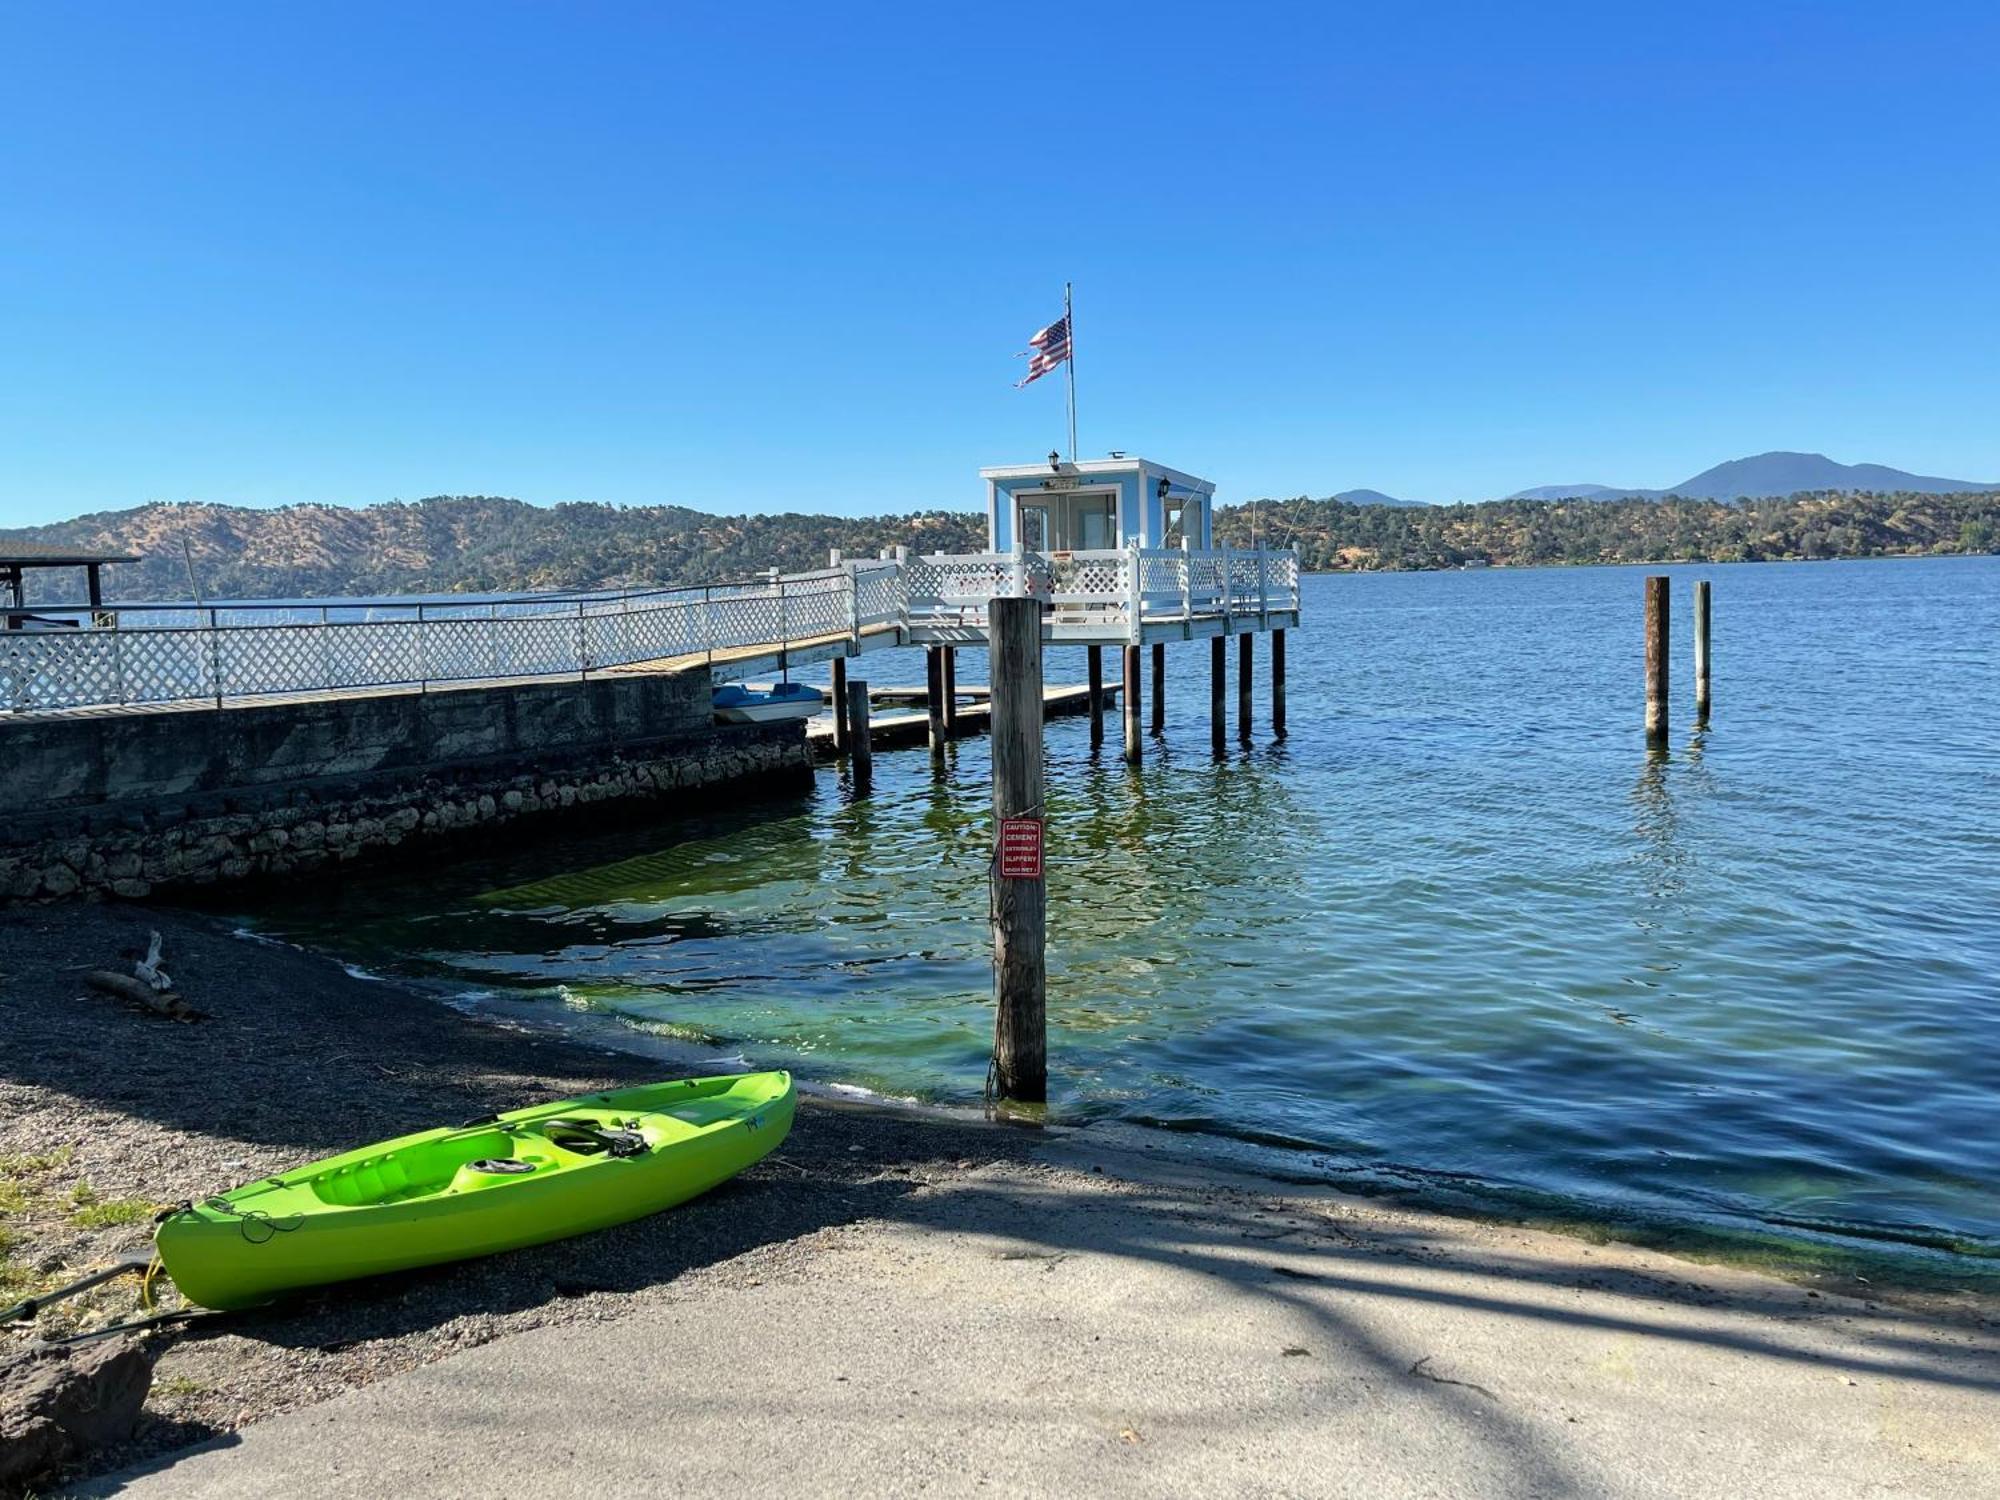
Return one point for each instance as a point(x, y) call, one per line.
point(740, 703)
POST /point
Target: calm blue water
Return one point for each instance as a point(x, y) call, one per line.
point(1461, 929)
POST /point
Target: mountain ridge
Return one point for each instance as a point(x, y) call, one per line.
point(1772, 475)
point(491, 544)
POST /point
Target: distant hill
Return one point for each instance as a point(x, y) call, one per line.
point(1532, 533)
point(468, 544)
point(1570, 492)
point(1371, 497)
point(1800, 473)
point(484, 544)
point(1771, 475)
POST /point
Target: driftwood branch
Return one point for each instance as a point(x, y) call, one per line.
point(136, 992)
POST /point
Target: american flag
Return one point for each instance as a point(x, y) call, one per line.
point(1046, 350)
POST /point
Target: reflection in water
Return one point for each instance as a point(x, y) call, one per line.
point(1442, 934)
point(1663, 858)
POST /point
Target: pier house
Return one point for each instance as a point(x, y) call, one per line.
point(1096, 505)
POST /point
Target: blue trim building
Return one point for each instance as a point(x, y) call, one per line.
point(1100, 504)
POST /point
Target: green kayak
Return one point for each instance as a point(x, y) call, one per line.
point(499, 1183)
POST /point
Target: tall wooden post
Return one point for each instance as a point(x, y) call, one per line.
point(1159, 687)
point(1020, 898)
point(1701, 652)
point(1278, 683)
point(1657, 603)
point(1243, 678)
point(1218, 692)
point(1133, 751)
point(857, 728)
point(841, 737)
point(950, 656)
point(934, 697)
point(1096, 654)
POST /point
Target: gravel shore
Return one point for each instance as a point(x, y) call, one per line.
point(107, 1114)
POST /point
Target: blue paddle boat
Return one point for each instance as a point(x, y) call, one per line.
point(740, 704)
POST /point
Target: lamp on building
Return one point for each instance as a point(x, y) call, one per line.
point(1055, 462)
point(1165, 485)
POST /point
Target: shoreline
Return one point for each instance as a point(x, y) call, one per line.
point(1910, 1270)
point(301, 1058)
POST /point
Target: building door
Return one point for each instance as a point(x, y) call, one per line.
point(1183, 518)
point(1035, 528)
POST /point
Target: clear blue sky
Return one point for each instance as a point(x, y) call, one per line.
point(761, 257)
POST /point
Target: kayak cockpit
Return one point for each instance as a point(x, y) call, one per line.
point(477, 1159)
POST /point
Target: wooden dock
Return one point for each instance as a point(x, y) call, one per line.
point(975, 711)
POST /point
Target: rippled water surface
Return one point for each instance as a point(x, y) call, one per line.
point(1461, 928)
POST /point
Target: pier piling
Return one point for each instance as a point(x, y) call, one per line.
point(1657, 604)
point(1278, 683)
point(857, 731)
point(1096, 654)
point(1218, 693)
point(934, 697)
point(1134, 752)
point(1159, 687)
point(841, 738)
point(950, 692)
point(1243, 680)
point(1020, 897)
point(1701, 652)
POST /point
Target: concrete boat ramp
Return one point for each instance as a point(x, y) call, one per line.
point(1106, 1320)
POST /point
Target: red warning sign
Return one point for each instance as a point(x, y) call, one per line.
point(1020, 848)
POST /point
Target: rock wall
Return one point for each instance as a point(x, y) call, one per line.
point(136, 805)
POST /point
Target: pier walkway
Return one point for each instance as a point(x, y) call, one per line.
point(153, 657)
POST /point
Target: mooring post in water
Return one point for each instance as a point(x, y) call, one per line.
point(857, 730)
point(1656, 660)
point(1096, 654)
point(1278, 683)
point(934, 697)
point(1218, 692)
point(1133, 750)
point(1159, 687)
point(1701, 652)
point(1020, 898)
point(950, 692)
point(841, 738)
point(1244, 643)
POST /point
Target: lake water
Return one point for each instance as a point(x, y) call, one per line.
point(1461, 933)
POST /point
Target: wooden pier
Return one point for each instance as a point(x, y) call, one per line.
point(911, 723)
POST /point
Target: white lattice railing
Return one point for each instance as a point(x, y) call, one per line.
point(1113, 593)
point(181, 654)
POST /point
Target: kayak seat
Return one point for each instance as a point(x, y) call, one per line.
point(412, 1172)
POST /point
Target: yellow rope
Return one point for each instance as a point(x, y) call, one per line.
point(146, 1284)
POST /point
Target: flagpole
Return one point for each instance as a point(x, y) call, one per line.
point(1069, 319)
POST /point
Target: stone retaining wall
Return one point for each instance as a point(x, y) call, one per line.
point(201, 799)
